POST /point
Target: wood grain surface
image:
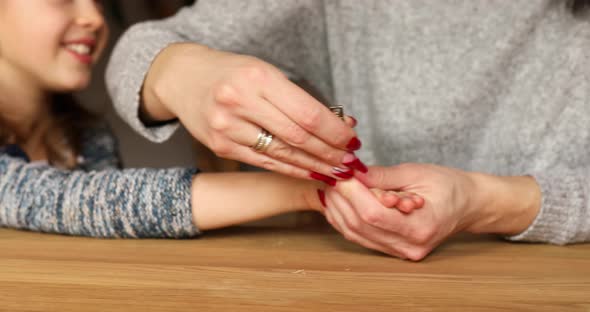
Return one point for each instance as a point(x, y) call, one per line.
point(294, 268)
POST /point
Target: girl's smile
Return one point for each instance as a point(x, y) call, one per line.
point(81, 49)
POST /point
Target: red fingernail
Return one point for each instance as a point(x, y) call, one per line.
point(354, 122)
point(326, 179)
point(322, 197)
point(343, 173)
point(354, 144)
point(354, 163)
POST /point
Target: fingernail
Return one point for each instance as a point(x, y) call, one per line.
point(354, 144)
point(348, 157)
point(351, 161)
point(354, 122)
point(326, 179)
point(322, 197)
point(343, 173)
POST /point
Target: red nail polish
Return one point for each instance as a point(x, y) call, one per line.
point(357, 164)
point(354, 144)
point(326, 179)
point(322, 197)
point(343, 173)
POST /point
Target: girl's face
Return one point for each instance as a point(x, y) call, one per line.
point(52, 43)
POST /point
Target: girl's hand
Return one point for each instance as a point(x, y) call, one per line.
point(225, 99)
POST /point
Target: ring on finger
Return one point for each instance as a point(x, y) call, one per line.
point(262, 141)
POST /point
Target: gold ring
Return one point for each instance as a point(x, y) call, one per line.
point(263, 141)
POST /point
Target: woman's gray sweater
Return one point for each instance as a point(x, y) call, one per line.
point(501, 87)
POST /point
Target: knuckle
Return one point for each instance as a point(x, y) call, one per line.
point(313, 165)
point(332, 156)
point(341, 138)
point(296, 135)
point(312, 118)
point(268, 164)
point(416, 253)
point(280, 151)
point(226, 94)
point(354, 225)
point(254, 72)
point(221, 148)
point(220, 122)
point(423, 235)
point(370, 217)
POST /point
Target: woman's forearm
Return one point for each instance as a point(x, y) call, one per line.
point(224, 199)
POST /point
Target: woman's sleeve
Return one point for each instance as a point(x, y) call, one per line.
point(274, 31)
point(564, 216)
point(134, 203)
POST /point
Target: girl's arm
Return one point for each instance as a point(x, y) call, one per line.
point(223, 199)
point(103, 203)
point(141, 203)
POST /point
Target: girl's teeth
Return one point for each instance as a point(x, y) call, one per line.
point(79, 48)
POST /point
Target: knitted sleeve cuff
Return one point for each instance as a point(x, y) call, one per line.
point(127, 70)
point(564, 216)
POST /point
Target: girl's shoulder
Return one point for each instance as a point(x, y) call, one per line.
point(98, 133)
point(99, 147)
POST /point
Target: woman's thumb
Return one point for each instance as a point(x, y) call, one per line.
point(390, 178)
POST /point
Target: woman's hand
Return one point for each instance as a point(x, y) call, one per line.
point(455, 201)
point(225, 99)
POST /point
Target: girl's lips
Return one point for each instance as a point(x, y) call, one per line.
point(82, 49)
point(86, 41)
point(83, 58)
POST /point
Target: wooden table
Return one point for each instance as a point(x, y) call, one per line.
point(302, 268)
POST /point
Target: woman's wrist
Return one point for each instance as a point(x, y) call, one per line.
point(163, 73)
point(504, 205)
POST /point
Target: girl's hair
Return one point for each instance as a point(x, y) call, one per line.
point(63, 137)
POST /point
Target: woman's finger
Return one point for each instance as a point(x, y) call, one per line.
point(248, 155)
point(247, 134)
point(309, 114)
point(336, 220)
point(273, 120)
point(339, 216)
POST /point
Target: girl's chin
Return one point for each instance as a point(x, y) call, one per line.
point(71, 85)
